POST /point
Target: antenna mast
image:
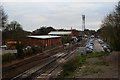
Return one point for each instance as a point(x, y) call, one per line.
point(83, 22)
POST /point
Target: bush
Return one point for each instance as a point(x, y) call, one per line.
point(65, 39)
point(19, 48)
point(70, 66)
point(27, 52)
point(35, 49)
point(8, 57)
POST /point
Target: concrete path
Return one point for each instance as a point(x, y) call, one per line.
point(97, 46)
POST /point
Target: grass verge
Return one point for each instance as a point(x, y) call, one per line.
point(101, 63)
point(98, 54)
point(88, 70)
point(70, 66)
point(7, 57)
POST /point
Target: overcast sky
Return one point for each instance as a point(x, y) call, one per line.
point(58, 14)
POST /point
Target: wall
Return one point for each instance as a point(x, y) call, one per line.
point(44, 42)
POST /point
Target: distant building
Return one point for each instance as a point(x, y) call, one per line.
point(60, 33)
point(43, 40)
point(75, 33)
point(46, 40)
point(72, 32)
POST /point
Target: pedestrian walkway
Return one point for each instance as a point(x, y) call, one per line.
point(97, 46)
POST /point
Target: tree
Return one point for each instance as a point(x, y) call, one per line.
point(13, 31)
point(19, 48)
point(110, 28)
point(89, 32)
point(3, 17)
point(13, 25)
point(43, 30)
point(65, 39)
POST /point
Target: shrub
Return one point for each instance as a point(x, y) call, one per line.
point(27, 52)
point(70, 66)
point(65, 39)
point(19, 48)
point(35, 49)
point(7, 57)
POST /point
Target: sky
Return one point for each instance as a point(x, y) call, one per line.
point(64, 14)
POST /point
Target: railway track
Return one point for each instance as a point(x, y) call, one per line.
point(27, 64)
point(40, 69)
point(19, 64)
point(44, 69)
point(47, 75)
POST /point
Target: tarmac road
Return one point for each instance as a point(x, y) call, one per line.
point(97, 46)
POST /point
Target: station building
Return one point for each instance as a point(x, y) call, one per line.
point(35, 40)
point(45, 40)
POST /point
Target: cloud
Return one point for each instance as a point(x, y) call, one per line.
point(60, 1)
point(33, 18)
point(59, 15)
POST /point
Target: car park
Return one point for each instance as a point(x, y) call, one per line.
point(89, 46)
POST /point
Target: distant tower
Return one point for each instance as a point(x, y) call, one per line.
point(71, 31)
point(71, 28)
point(83, 22)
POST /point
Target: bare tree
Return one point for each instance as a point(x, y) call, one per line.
point(3, 17)
point(110, 28)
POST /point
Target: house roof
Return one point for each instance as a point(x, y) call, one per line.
point(44, 36)
point(60, 33)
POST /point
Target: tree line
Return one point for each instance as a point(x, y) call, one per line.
point(110, 29)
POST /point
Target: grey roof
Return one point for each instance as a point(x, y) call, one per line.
point(60, 33)
point(44, 36)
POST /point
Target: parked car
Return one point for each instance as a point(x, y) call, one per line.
point(88, 50)
point(106, 47)
point(89, 46)
point(28, 47)
point(100, 41)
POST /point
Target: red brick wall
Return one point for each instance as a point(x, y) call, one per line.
point(45, 42)
point(35, 42)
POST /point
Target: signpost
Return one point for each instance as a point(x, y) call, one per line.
point(82, 51)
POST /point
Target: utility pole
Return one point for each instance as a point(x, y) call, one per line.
point(83, 22)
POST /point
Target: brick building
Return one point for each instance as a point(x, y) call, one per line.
point(45, 40)
point(61, 33)
point(68, 33)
